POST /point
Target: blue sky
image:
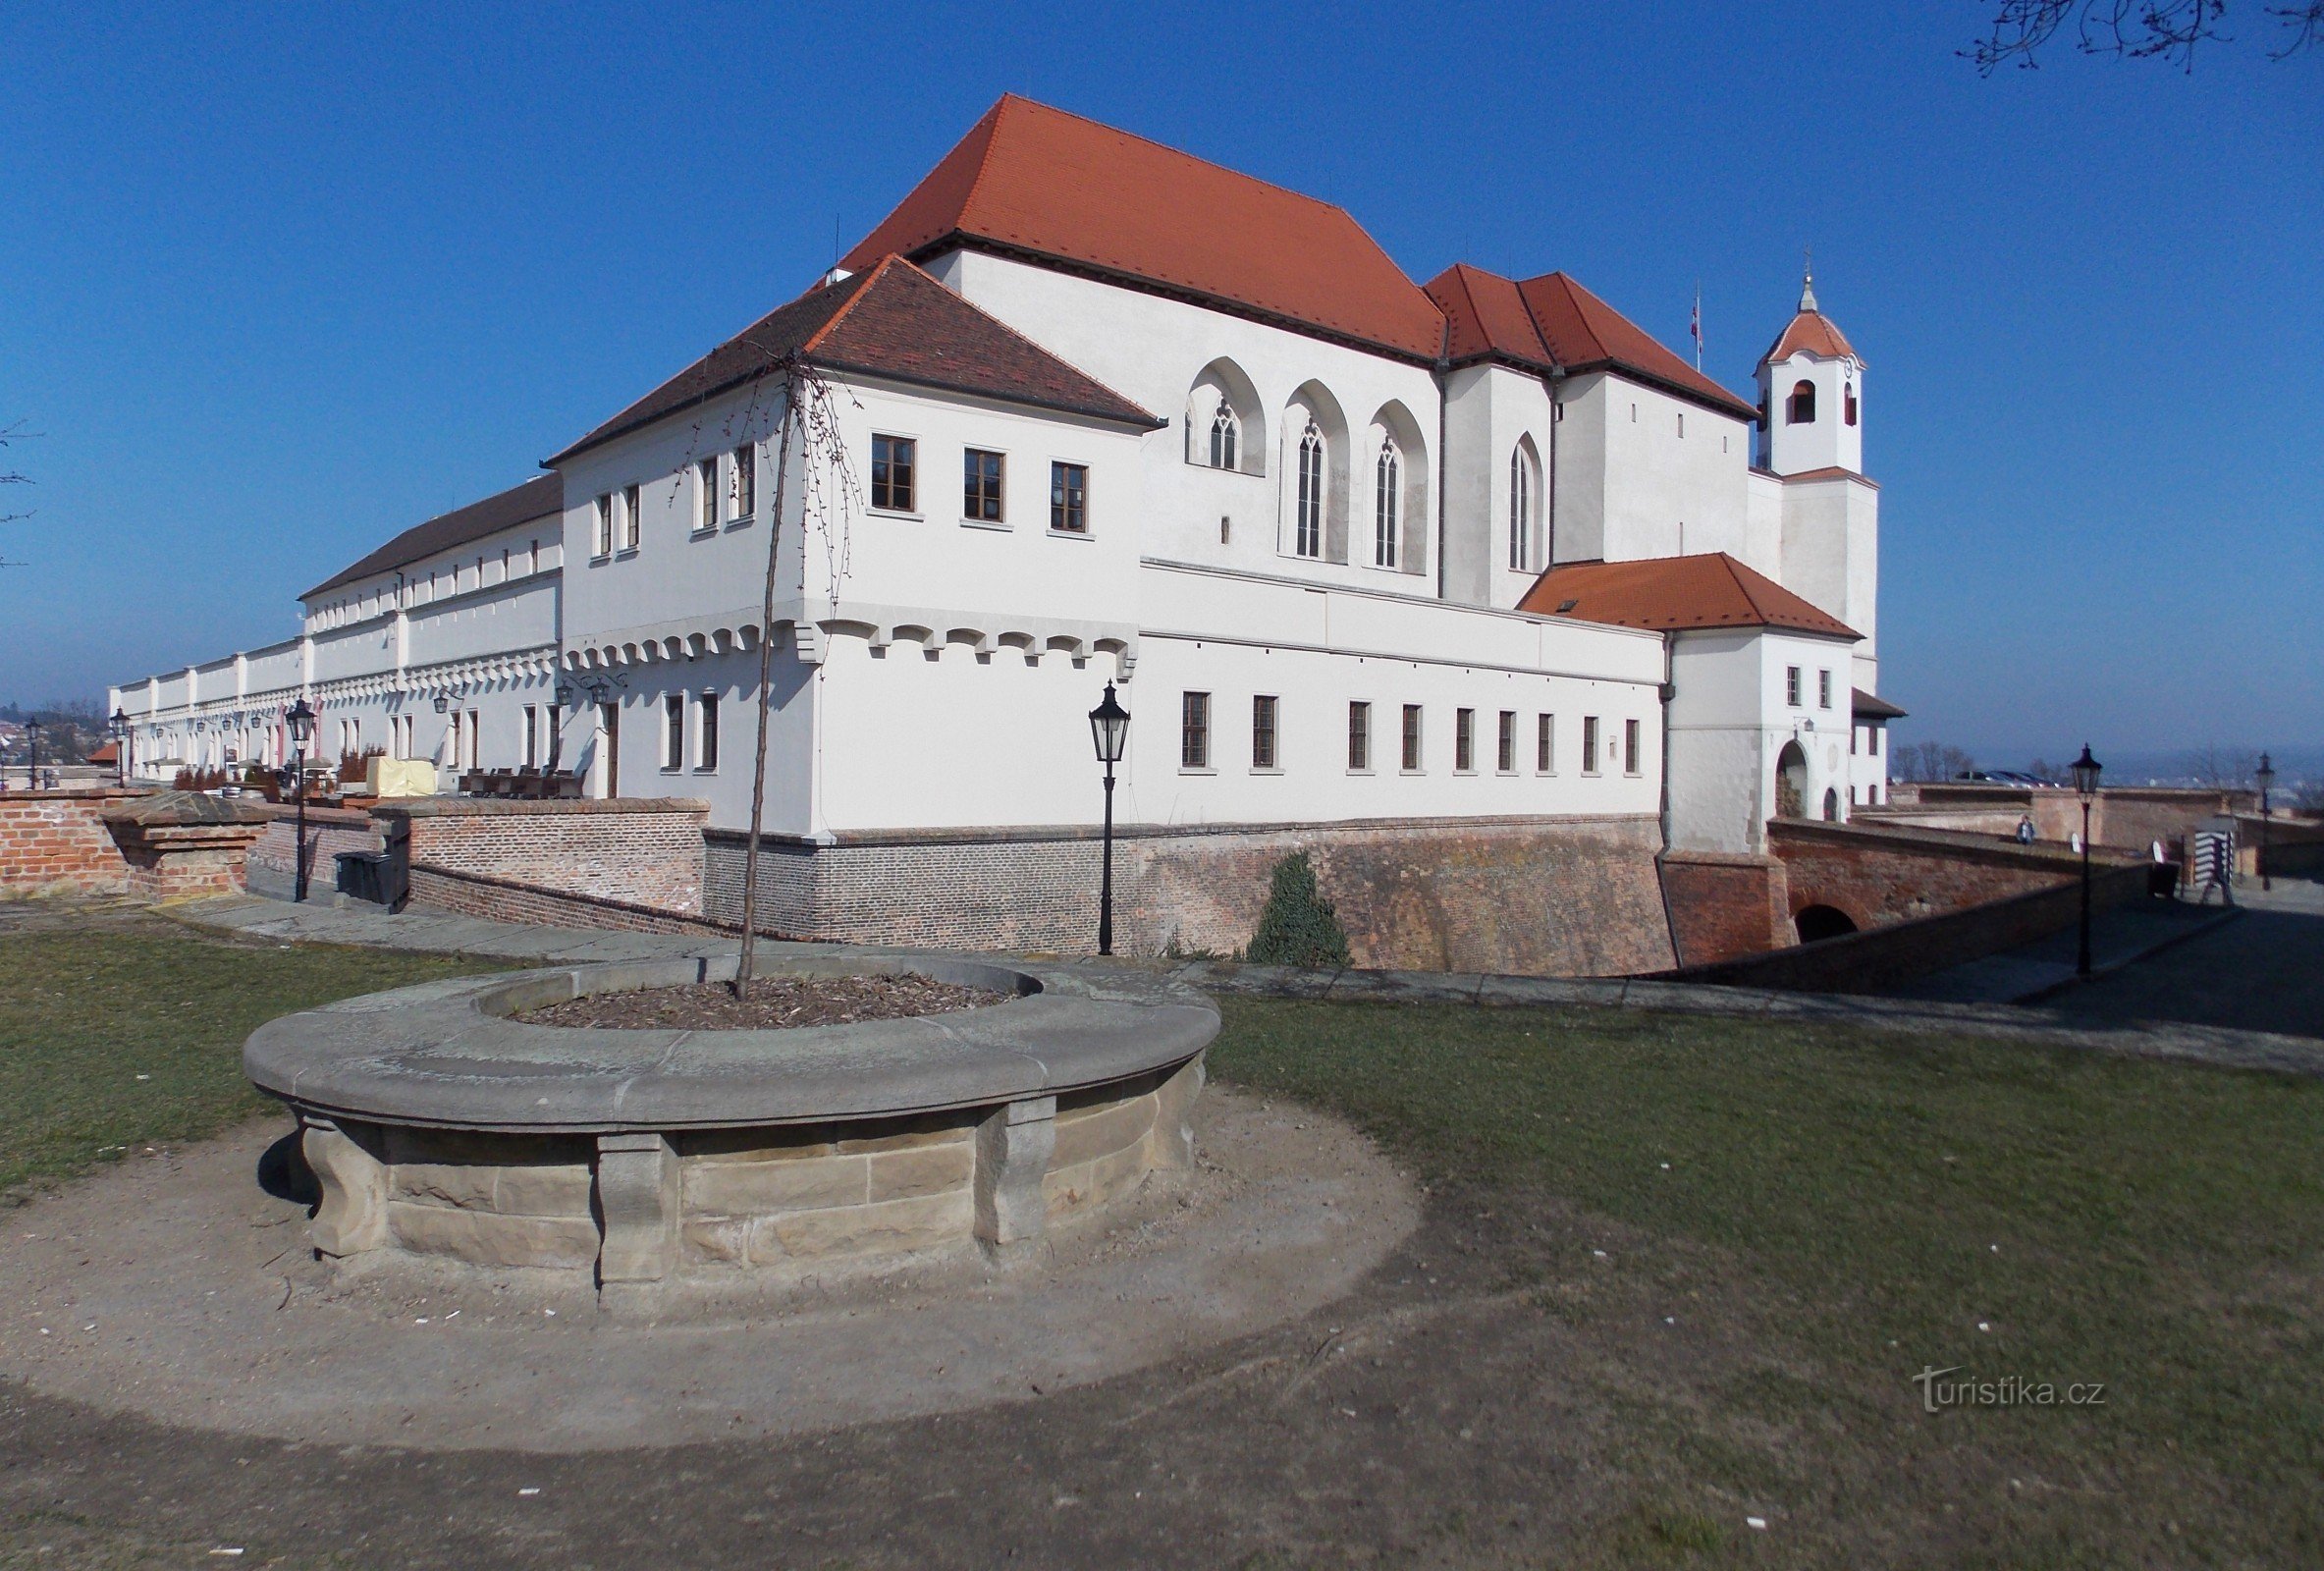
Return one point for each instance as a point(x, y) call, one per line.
point(274, 286)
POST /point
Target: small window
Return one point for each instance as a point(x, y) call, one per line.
point(1545, 744)
point(1823, 689)
point(1630, 729)
point(1226, 436)
point(673, 731)
point(1800, 408)
point(979, 486)
point(1194, 731)
point(1308, 516)
point(1359, 737)
point(1388, 481)
point(742, 488)
point(1791, 685)
point(1069, 497)
point(894, 459)
point(706, 494)
point(532, 736)
point(1411, 736)
point(1589, 744)
point(1682, 419)
point(1505, 754)
point(603, 546)
point(1262, 732)
point(1464, 740)
point(632, 520)
point(706, 731)
point(1848, 403)
point(475, 732)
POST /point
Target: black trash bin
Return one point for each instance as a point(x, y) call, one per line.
point(364, 876)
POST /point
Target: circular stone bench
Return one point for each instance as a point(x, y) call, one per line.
point(438, 1125)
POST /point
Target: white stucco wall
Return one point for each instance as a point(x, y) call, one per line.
point(1731, 717)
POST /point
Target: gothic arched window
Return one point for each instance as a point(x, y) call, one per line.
point(1521, 509)
point(1388, 481)
point(1801, 408)
point(1848, 402)
point(1308, 538)
point(1225, 434)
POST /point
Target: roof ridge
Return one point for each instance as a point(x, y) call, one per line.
point(983, 158)
point(849, 304)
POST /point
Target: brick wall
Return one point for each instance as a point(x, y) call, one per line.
point(54, 843)
point(1532, 897)
point(1877, 876)
point(502, 900)
point(329, 831)
point(1873, 961)
point(1722, 906)
point(644, 852)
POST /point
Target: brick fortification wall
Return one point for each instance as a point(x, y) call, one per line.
point(1531, 896)
point(1722, 905)
point(1878, 876)
point(54, 843)
point(640, 852)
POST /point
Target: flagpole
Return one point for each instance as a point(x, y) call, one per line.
point(1698, 325)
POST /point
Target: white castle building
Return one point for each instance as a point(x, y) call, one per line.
point(1364, 554)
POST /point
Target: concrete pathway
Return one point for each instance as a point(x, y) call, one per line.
point(2197, 1039)
point(2033, 973)
point(2263, 971)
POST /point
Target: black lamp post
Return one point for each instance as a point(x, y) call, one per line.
point(302, 731)
point(119, 725)
point(32, 755)
point(2266, 777)
point(1109, 728)
point(2086, 782)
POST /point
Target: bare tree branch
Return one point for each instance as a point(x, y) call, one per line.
point(10, 435)
point(2136, 30)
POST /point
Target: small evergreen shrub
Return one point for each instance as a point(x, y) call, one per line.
point(1298, 926)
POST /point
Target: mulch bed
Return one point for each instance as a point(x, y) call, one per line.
point(771, 1004)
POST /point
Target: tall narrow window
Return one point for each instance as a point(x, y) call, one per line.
point(1589, 744)
point(706, 494)
point(476, 733)
point(1823, 689)
point(673, 731)
point(979, 486)
point(706, 731)
point(1412, 735)
point(1307, 519)
point(1464, 740)
point(602, 546)
point(1262, 732)
point(1225, 437)
point(742, 488)
point(532, 736)
point(1800, 408)
point(1791, 685)
point(1545, 744)
point(1521, 511)
point(1359, 737)
point(1505, 758)
point(632, 518)
point(1194, 731)
point(1848, 402)
point(1069, 497)
point(1629, 760)
point(894, 460)
point(1388, 483)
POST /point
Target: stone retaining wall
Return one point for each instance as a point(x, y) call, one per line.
point(505, 900)
point(637, 851)
point(1878, 874)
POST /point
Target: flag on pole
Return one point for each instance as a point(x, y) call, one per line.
point(1695, 327)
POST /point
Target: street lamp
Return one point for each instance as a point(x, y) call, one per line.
point(2265, 776)
point(1109, 728)
point(119, 725)
point(32, 755)
point(302, 731)
point(2086, 784)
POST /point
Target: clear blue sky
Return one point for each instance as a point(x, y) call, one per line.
point(275, 284)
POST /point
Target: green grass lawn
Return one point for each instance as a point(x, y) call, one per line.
point(1855, 1207)
point(129, 1033)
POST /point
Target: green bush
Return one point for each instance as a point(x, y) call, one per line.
point(1298, 926)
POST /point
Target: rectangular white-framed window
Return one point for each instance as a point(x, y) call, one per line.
point(706, 733)
point(1791, 685)
point(1505, 749)
point(1589, 744)
point(602, 546)
point(633, 518)
point(1069, 499)
point(1823, 689)
point(1359, 738)
point(674, 733)
point(1412, 739)
point(532, 736)
point(706, 494)
point(1630, 747)
point(895, 465)
point(1194, 731)
point(981, 472)
point(476, 733)
point(1545, 745)
point(1463, 742)
point(1263, 710)
point(742, 484)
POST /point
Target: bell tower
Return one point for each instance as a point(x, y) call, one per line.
point(1812, 390)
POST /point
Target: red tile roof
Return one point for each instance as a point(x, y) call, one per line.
point(537, 498)
point(1035, 180)
point(1551, 322)
point(1815, 333)
point(1677, 594)
point(1873, 707)
point(892, 321)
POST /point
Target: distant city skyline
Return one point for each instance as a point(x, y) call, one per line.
point(295, 289)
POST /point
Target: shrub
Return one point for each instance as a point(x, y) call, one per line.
point(1298, 926)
